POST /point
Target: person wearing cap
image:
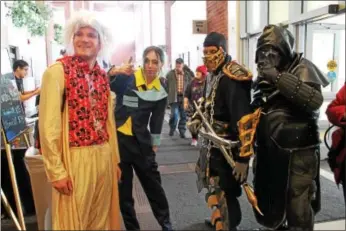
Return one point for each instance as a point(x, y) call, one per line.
point(227, 101)
point(194, 91)
point(177, 81)
point(79, 144)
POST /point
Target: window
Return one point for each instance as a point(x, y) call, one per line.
point(326, 42)
point(257, 15)
point(242, 17)
point(323, 108)
point(13, 54)
point(278, 11)
point(252, 54)
point(322, 52)
point(314, 5)
point(245, 52)
point(330, 31)
point(341, 65)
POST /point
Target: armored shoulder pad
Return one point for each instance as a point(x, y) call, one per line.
point(236, 71)
point(309, 73)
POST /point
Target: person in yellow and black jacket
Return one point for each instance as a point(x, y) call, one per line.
point(141, 103)
point(228, 96)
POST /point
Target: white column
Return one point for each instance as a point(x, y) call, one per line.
point(139, 32)
point(233, 31)
point(151, 23)
point(4, 27)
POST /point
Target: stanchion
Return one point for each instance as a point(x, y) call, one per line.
point(14, 186)
point(27, 142)
point(9, 210)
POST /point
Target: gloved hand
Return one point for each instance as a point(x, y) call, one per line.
point(269, 73)
point(194, 125)
point(240, 171)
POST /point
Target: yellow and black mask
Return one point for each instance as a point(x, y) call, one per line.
point(213, 60)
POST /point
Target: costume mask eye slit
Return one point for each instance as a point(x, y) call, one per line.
point(268, 58)
point(210, 52)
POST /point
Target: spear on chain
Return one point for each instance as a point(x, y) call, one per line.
point(222, 144)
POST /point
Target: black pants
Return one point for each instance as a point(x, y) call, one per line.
point(145, 166)
point(343, 177)
point(231, 187)
point(344, 189)
point(302, 186)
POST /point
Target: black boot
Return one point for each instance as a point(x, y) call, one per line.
point(207, 222)
point(283, 227)
point(167, 226)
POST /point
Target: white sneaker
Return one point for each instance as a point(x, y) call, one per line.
point(194, 142)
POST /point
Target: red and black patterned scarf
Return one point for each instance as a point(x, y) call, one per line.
point(87, 92)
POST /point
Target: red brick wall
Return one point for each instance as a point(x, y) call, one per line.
point(217, 17)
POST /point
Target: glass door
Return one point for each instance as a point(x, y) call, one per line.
point(252, 55)
point(325, 42)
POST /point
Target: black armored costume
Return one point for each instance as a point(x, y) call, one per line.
point(228, 99)
point(288, 91)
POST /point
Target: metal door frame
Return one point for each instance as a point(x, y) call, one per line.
point(325, 28)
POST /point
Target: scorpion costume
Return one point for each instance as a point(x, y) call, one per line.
point(228, 99)
point(288, 93)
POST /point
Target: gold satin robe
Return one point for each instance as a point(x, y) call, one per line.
point(93, 169)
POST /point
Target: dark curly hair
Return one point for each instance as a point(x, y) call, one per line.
point(158, 51)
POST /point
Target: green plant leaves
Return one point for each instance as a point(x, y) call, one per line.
point(35, 17)
point(58, 34)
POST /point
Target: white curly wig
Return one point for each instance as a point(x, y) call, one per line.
point(82, 19)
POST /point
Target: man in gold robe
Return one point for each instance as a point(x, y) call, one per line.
point(77, 132)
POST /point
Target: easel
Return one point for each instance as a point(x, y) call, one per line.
point(19, 224)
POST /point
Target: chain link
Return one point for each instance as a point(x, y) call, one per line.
point(211, 118)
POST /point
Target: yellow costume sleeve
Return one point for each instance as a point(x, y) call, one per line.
point(111, 128)
point(50, 122)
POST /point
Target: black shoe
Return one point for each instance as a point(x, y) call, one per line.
point(171, 132)
point(208, 223)
point(182, 135)
point(167, 227)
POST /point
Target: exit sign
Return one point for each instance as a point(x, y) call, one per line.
point(199, 27)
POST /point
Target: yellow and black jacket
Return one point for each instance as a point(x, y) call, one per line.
point(139, 106)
